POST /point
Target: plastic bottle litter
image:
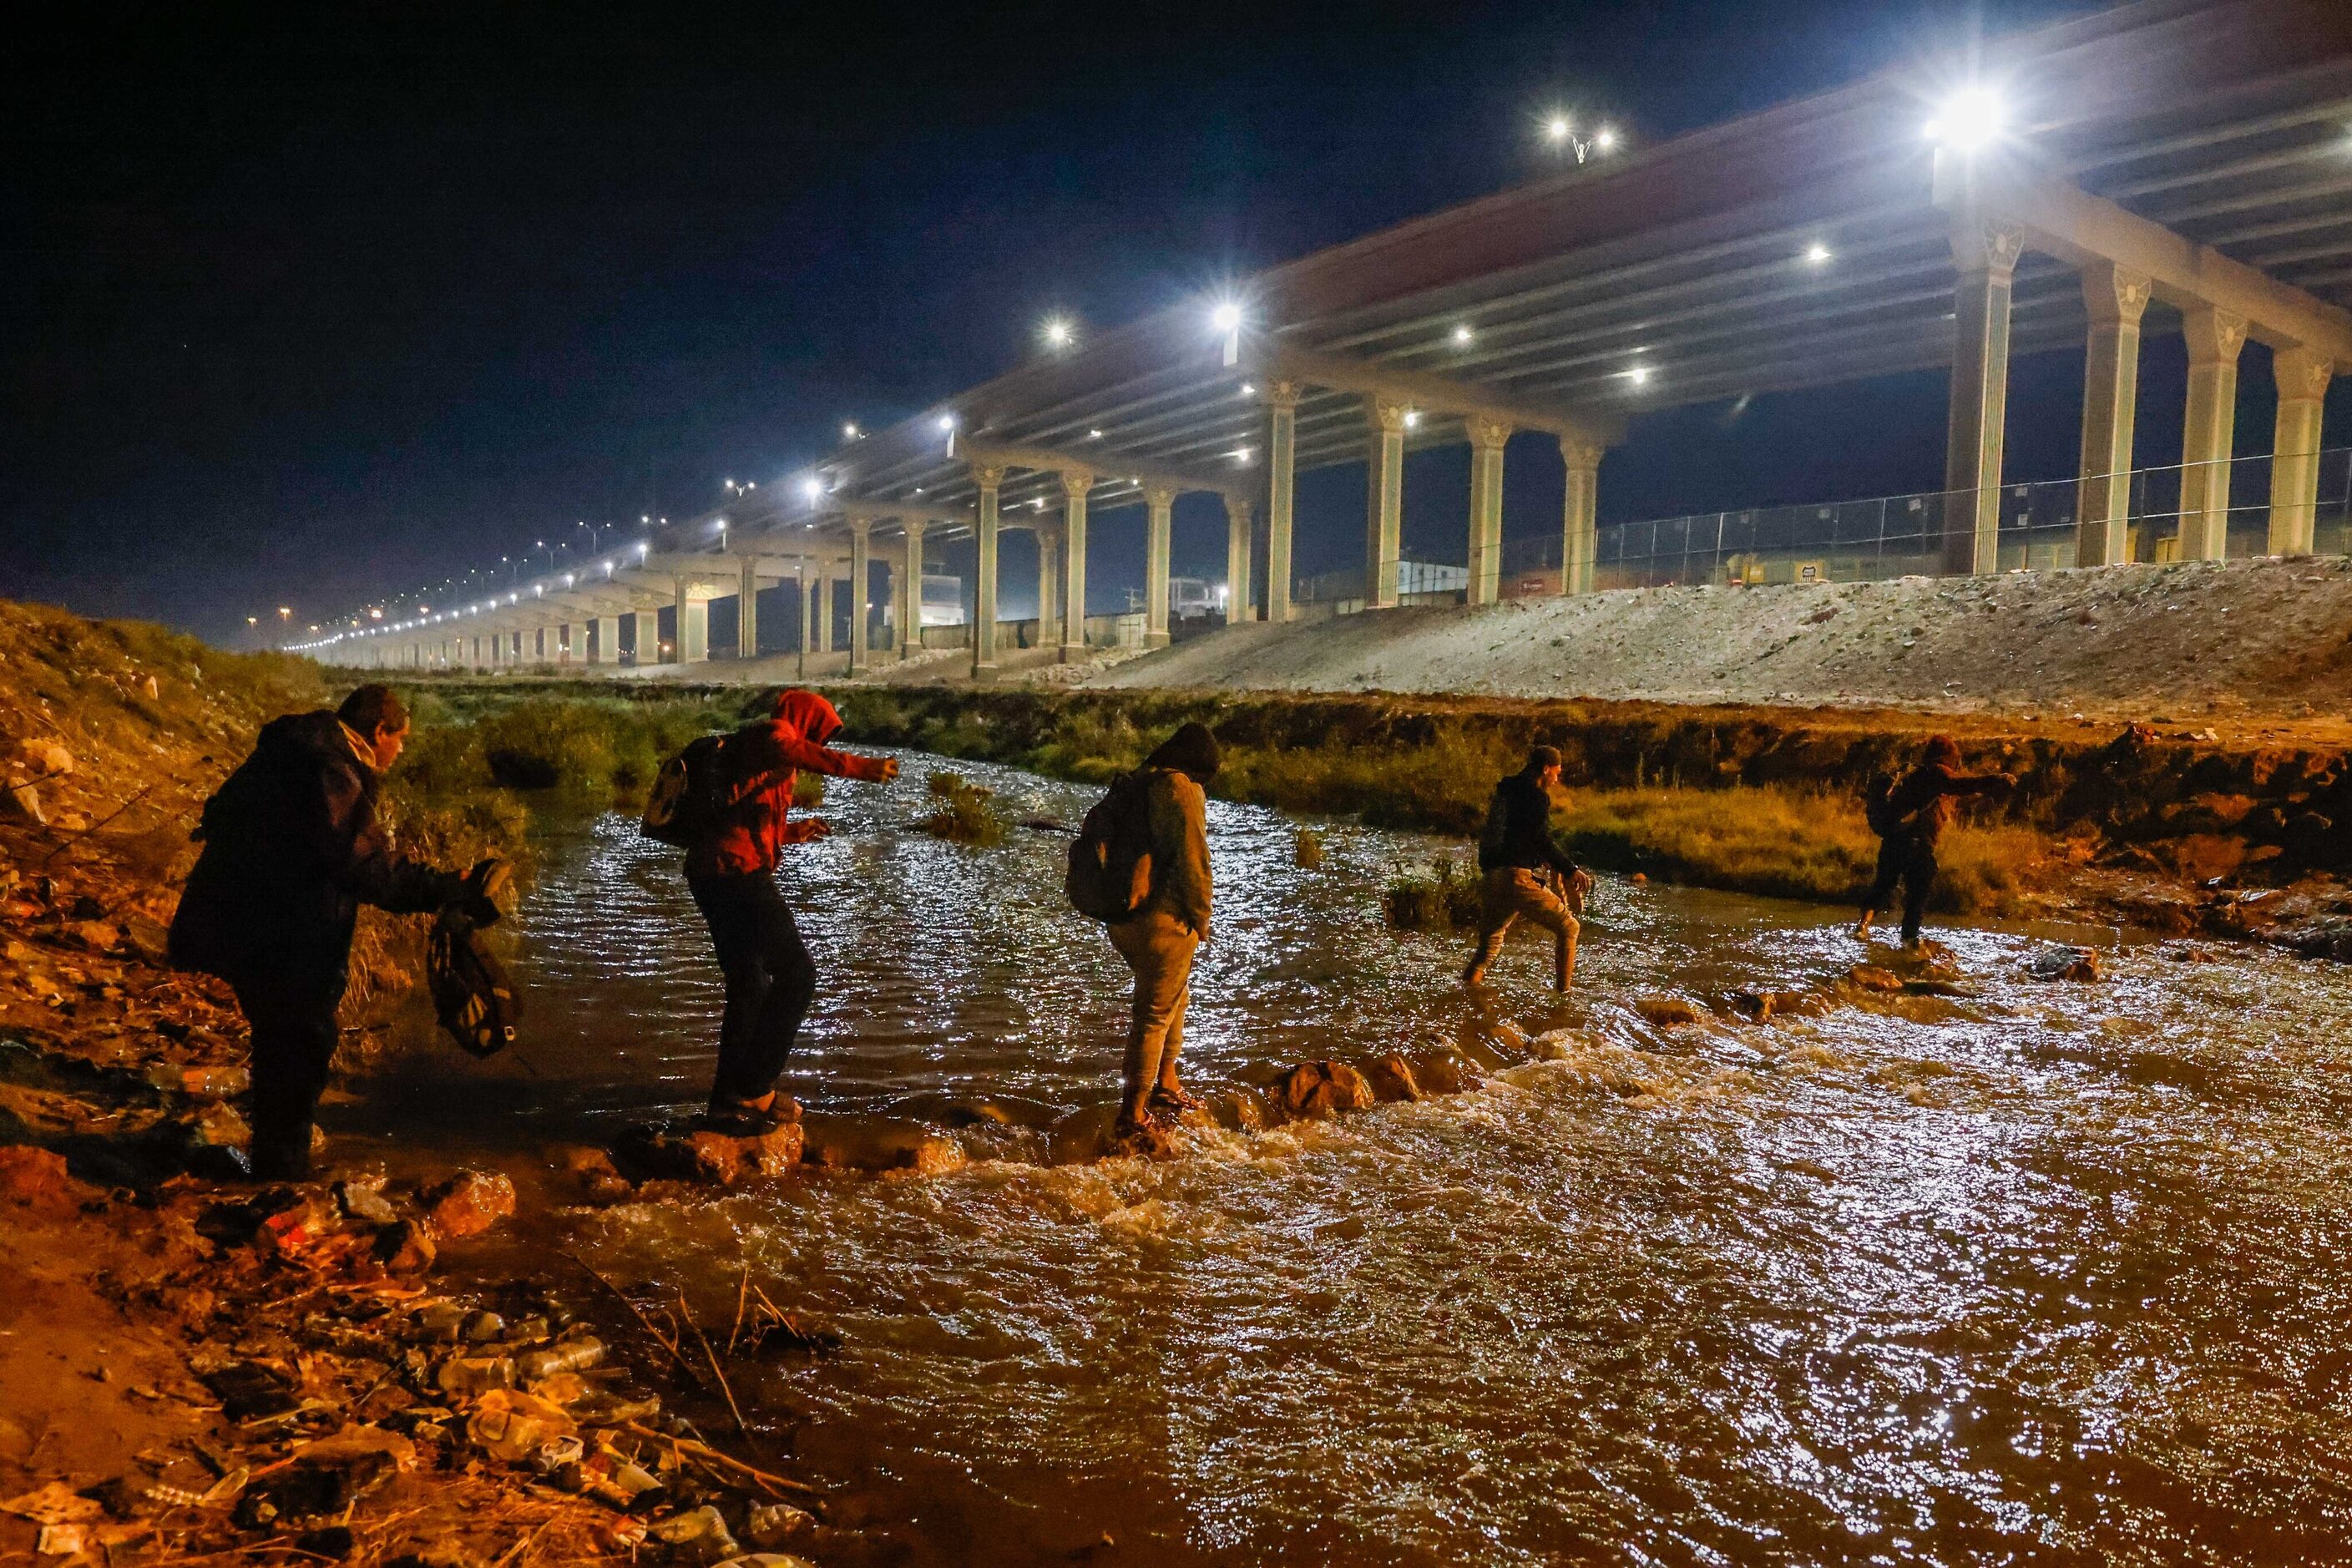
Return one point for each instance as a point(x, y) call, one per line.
point(575, 1355)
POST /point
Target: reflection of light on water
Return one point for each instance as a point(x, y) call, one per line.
point(2054, 1272)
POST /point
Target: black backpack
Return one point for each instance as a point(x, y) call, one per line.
point(1110, 861)
point(685, 805)
point(471, 994)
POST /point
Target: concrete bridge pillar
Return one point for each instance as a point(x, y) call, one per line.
point(988, 479)
point(645, 636)
point(1049, 586)
point(811, 593)
point(1580, 544)
point(1158, 519)
point(861, 575)
point(1383, 503)
point(909, 590)
point(565, 636)
point(2115, 299)
point(1281, 480)
point(2302, 377)
point(1987, 254)
point(605, 647)
point(2215, 339)
point(747, 611)
point(1487, 439)
point(1074, 565)
point(693, 617)
point(1240, 542)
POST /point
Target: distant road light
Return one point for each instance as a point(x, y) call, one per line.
point(1058, 332)
point(284, 612)
point(1817, 253)
point(1639, 375)
point(1413, 418)
point(1557, 128)
point(1227, 318)
point(1605, 138)
point(849, 431)
point(1461, 335)
point(813, 490)
point(946, 422)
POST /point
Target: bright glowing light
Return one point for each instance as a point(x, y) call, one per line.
point(1605, 138)
point(1817, 253)
point(849, 431)
point(812, 489)
point(1971, 117)
point(1248, 391)
point(1413, 418)
point(1094, 435)
point(1242, 454)
point(642, 549)
point(1227, 318)
point(285, 613)
point(1639, 375)
point(1461, 335)
point(1058, 332)
point(1556, 127)
point(946, 422)
point(253, 620)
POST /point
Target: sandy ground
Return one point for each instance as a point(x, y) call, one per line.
point(2256, 637)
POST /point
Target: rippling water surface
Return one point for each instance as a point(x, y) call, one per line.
point(2037, 1273)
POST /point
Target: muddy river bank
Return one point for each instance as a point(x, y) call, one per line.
point(1994, 1268)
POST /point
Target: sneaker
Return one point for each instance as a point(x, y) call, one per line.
point(738, 1120)
point(1174, 1098)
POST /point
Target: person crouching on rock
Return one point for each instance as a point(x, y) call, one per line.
point(731, 871)
point(1156, 825)
point(1520, 862)
point(291, 848)
point(1909, 818)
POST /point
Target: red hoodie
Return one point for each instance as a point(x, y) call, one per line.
point(761, 760)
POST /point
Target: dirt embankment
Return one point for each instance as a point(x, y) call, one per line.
point(2269, 638)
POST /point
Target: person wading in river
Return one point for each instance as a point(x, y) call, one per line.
point(1518, 862)
point(291, 849)
point(1909, 818)
point(1141, 865)
point(730, 868)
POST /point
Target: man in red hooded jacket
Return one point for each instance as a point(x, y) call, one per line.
point(771, 979)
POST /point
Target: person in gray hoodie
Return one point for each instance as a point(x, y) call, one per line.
point(1172, 920)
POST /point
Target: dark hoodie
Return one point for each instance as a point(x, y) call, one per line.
point(1926, 799)
point(761, 760)
point(291, 849)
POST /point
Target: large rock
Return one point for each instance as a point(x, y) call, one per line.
point(1392, 1079)
point(470, 1204)
point(1314, 1090)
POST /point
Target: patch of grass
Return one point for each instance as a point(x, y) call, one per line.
point(1439, 898)
point(963, 814)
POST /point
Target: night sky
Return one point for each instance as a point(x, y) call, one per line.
point(307, 305)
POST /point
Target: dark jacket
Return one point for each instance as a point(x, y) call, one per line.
point(1926, 800)
point(1519, 830)
point(761, 761)
point(291, 849)
point(1176, 810)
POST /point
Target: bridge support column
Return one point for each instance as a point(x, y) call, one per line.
point(1383, 503)
point(861, 573)
point(2215, 338)
point(1159, 526)
point(1487, 439)
point(1049, 586)
point(645, 634)
point(564, 637)
point(907, 589)
point(2301, 378)
point(747, 611)
point(1987, 254)
point(1281, 486)
point(693, 634)
point(2115, 299)
point(1074, 565)
point(607, 649)
point(983, 593)
point(1240, 538)
point(1580, 540)
point(811, 591)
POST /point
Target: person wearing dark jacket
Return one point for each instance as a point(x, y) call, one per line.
point(291, 848)
point(1159, 939)
point(1910, 817)
point(771, 978)
point(1518, 860)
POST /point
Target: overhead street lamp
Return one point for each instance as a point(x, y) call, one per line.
point(1560, 132)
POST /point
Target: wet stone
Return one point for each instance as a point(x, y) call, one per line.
point(1391, 1078)
point(2064, 964)
point(470, 1204)
point(1666, 1012)
point(1314, 1090)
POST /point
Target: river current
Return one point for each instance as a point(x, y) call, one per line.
point(2047, 1272)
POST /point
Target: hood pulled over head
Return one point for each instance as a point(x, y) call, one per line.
point(812, 715)
point(1941, 751)
point(1191, 750)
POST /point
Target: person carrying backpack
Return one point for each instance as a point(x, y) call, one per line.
point(728, 802)
point(1518, 860)
point(1909, 818)
point(1140, 865)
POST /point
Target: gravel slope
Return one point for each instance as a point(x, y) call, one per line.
point(2254, 636)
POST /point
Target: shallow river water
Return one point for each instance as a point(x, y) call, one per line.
point(2045, 1272)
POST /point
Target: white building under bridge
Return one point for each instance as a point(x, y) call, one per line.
point(2174, 166)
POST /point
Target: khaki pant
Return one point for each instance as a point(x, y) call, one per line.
point(1159, 947)
point(1510, 895)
